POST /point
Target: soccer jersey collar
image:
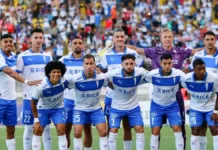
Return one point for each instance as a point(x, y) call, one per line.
point(71, 56)
point(30, 50)
point(10, 60)
point(49, 83)
point(125, 50)
point(160, 71)
point(205, 76)
point(84, 77)
point(205, 53)
point(123, 74)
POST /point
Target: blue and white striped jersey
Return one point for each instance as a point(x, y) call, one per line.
point(51, 96)
point(31, 66)
point(164, 87)
point(125, 88)
point(7, 83)
point(203, 93)
point(112, 60)
point(73, 66)
point(211, 61)
point(88, 91)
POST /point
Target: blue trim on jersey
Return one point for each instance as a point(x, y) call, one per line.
point(171, 81)
point(209, 62)
point(205, 53)
point(123, 74)
point(35, 60)
point(73, 62)
point(125, 50)
point(9, 61)
point(89, 85)
point(199, 87)
point(127, 82)
point(30, 50)
point(205, 76)
point(3, 67)
point(115, 59)
point(160, 71)
point(71, 56)
point(101, 67)
point(84, 76)
point(35, 99)
point(18, 71)
point(53, 91)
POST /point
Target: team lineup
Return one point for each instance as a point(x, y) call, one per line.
point(67, 93)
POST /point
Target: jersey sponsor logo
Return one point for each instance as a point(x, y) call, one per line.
point(200, 97)
point(32, 70)
point(165, 90)
point(90, 95)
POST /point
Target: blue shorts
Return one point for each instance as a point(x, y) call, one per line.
point(8, 112)
point(27, 116)
point(69, 106)
point(197, 118)
point(134, 117)
point(90, 117)
point(56, 115)
point(107, 106)
point(158, 112)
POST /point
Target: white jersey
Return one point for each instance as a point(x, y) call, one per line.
point(112, 60)
point(73, 66)
point(165, 87)
point(125, 88)
point(88, 91)
point(7, 83)
point(51, 96)
point(203, 93)
point(211, 61)
point(31, 66)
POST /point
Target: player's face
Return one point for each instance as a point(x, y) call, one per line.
point(55, 75)
point(167, 39)
point(119, 38)
point(128, 66)
point(89, 66)
point(7, 45)
point(200, 71)
point(209, 42)
point(166, 65)
point(37, 40)
point(77, 46)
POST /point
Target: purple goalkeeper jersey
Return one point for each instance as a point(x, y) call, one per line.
point(178, 54)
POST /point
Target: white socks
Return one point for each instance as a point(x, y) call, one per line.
point(127, 145)
point(179, 140)
point(203, 142)
point(46, 137)
point(195, 142)
point(140, 141)
point(62, 142)
point(215, 142)
point(11, 144)
point(77, 143)
point(87, 148)
point(112, 141)
point(103, 142)
point(36, 142)
point(27, 137)
point(154, 142)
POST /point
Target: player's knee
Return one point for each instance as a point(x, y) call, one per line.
point(102, 132)
point(114, 130)
point(195, 131)
point(77, 134)
point(139, 129)
point(214, 130)
point(61, 131)
point(10, 132)
point(177, 128)
point(156, 131)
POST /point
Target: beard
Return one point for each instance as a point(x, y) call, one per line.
point(128, 72)
point(78, 51)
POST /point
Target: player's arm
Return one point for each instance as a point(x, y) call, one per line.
point(18, 77)
point(70, 81)
point(196, 50)
point(215, 111)
point(140, 51)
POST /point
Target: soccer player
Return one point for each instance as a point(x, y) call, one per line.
point(73, 63)
point(87, 85)
point(125, 82)
point(111, 61)
point(8, 108)
point(165, 81)
point(209, 56)
point(178, 54)
point(31, 64)
point(203, 89)
point(47, 103)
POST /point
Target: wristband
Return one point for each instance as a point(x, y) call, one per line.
point(25, 81)
point(36, 120)
point(215, 112)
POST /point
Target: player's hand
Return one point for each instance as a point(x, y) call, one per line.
point(35, 82)
point(214, 117)
point(37, 128)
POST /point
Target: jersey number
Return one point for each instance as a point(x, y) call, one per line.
point(76, 118)
point(193, 120)
point(27, 118)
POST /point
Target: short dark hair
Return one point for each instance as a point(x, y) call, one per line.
point(209, 33)
point(55, 65)
point(128, 56)
point(36, 30)
point(77, 37)
point(88, 56)
point(4, 36)
point(165, 56)
point(198, 61)
point(118, 30)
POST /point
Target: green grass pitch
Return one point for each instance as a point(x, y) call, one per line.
point(167, 139)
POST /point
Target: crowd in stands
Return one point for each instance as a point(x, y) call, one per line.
point(94, 21)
